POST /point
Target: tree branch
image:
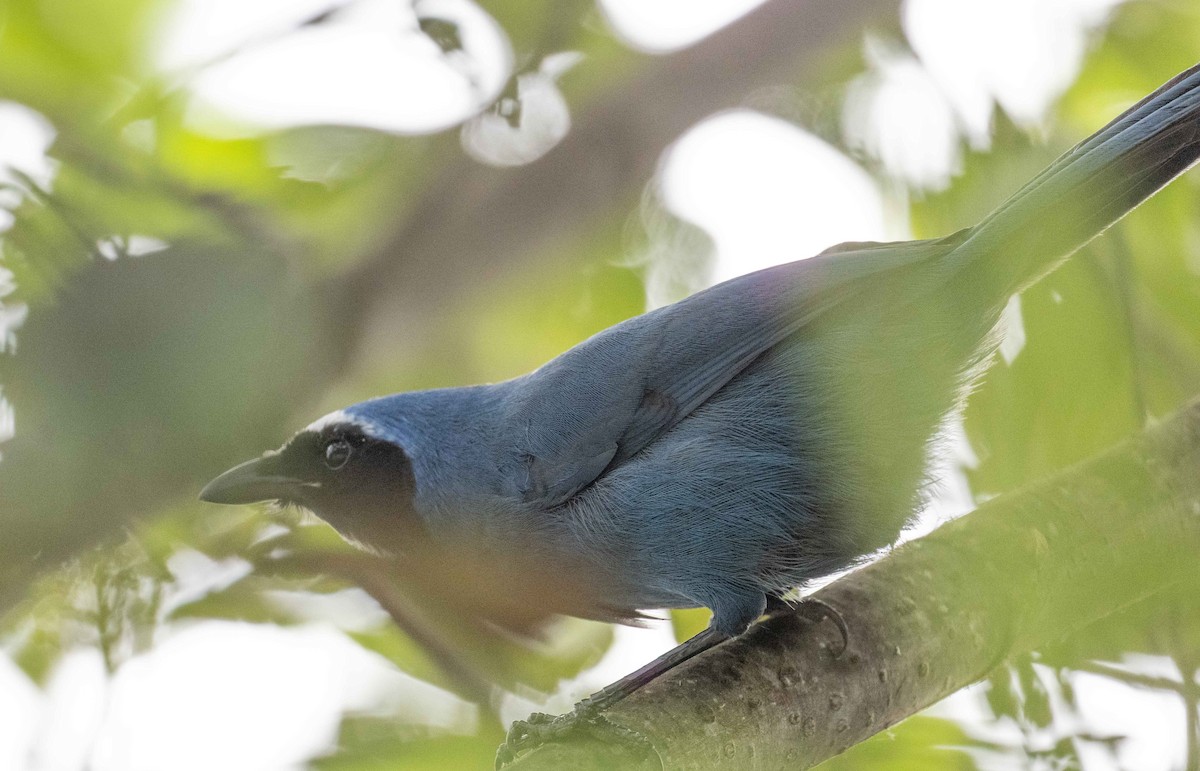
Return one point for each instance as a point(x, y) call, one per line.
point(476, 221)
point(931, 617)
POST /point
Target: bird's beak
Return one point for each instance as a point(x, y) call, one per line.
point(251, 482)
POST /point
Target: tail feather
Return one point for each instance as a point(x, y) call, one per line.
point(1088, 188)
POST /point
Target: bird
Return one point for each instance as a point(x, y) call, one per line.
point(724, 450)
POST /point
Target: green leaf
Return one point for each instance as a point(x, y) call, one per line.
point(917, 744)
point(689, 622)
point(243, 600)
point(378, 744)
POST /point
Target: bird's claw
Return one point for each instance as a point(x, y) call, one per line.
point(816, 611)
point(523, 735)
point(587, 718)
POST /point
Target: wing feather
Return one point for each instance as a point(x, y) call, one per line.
point(610, 397)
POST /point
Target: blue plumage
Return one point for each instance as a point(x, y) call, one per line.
point(726, 449)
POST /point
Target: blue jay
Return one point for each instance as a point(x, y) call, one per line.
point(724, 450)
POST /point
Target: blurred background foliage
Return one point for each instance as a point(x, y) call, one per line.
point(186, 292)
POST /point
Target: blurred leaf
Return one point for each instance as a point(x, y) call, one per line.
point(536, 28)
point(442, 32)
point(1111, 336)
point(378, 744)
point(1037, 703)
point(107, 599)
point(578, 299)
point(1001, 696)
point(689, 622)
point(570, 646)
point(69, 58)
point(1166, 623)
point(1024, 424)
point(916, 744)
point(37, 653)
point(245, 600)
point(408, 656)
point(567, 649)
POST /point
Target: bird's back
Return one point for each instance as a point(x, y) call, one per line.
point(810, 457)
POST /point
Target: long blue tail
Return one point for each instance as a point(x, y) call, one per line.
point(1087, 189)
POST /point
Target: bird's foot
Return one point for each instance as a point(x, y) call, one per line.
point(816, 611)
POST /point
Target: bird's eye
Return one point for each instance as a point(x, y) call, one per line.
point(337, 453)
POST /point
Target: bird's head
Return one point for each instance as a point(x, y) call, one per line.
point(343, 470)
point(376, 474)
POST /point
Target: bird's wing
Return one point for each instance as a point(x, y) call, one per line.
point(613, 395)
point(607, 399)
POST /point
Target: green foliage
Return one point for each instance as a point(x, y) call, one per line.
point(690, 622)
point(916, 744)
point(376, 744)
point(139, 376)
point(1110, 338)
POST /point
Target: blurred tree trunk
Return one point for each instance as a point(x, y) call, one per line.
point(937, 614)
point(475, 222)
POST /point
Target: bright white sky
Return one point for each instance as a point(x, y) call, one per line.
point(764, 189)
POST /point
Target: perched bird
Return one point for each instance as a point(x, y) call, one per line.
point(721, 451)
